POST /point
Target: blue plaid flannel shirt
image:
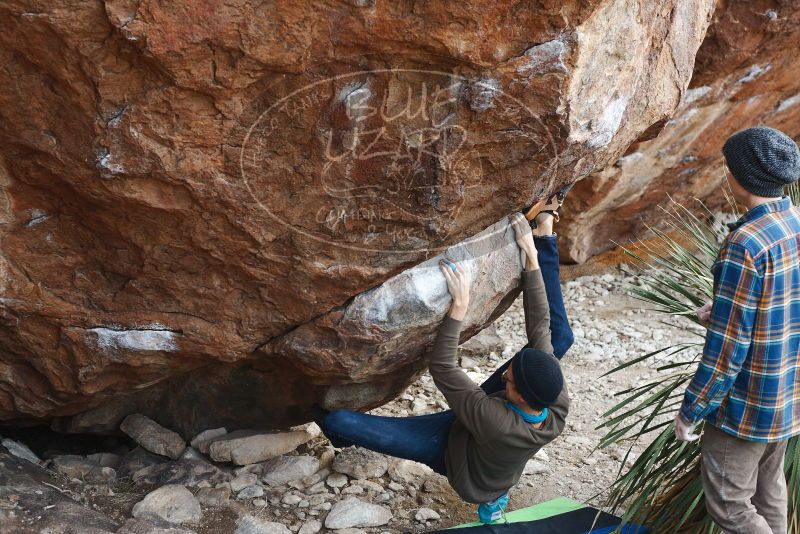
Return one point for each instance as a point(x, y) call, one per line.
point(747, 383)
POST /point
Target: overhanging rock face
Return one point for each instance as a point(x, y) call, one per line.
point(747, 73)
point(221, 213)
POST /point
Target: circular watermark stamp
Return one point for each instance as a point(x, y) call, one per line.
point(385, 160)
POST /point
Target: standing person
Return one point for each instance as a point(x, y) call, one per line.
point(747, 386)
point(484, 441)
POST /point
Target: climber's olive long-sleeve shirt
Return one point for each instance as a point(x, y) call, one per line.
point(489, 445)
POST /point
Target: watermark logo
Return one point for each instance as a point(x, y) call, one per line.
point(383, 160)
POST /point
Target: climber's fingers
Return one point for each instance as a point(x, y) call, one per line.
point(448, 276)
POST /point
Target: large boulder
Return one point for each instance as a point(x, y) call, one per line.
point(747, 73)
point(220, 215)
point(33, 503)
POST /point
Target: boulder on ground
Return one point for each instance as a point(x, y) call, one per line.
point(408, 472)
point(161, 219)
point(202, 440)
point(31, 492)
point(152, 436)
point(172, 503)
point(20, 450)
point(352, 512)
point(360, 463)
point(285, 469)
point(245, 447)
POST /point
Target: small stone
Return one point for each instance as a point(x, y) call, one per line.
point(352, 512)
point(250, 492)
point(426, 514)
point(370, 485)
point(534, 467)
point(316, 500)
point(152, 436)
point(213, 497)
point(468, 363)
point(259, 502)
point(252, 525)
point(319, 487)
point(320, 475)
point(172, 503)
point(252, 468)
point(202, 440)
point(192, 454)
point(394, 486)
point(336, 480)
point(284, 469)
point(419, 406)
point(437, 486)
point(291, 500)
point(408, 472)
point(312, 526)
point(360, 463)
point(242, 481)
point(326, 458)
point(353, 490)
point(296, 484)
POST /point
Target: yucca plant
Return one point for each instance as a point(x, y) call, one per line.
point(662, 488)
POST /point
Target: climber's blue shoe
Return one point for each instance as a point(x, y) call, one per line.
point(490, 512)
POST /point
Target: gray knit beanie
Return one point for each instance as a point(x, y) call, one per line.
point(763, 160)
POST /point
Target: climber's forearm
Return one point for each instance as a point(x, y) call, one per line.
point(458, 311)
point(537, 311)
point(531, 262)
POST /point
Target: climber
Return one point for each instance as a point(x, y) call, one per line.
point(491, 431)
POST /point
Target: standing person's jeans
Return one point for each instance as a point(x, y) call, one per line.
point(424, 438)
point(743, 482)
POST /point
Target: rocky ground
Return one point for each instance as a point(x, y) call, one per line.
point(295, 482)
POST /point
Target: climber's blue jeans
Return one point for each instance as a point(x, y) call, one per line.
point(424, 438)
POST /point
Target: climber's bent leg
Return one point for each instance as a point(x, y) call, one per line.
point(421, 439)
point(561, 333)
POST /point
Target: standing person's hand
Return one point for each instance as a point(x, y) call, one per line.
point(704, 314)
point(458, 283)
point(683, 429)
point(524, 238)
